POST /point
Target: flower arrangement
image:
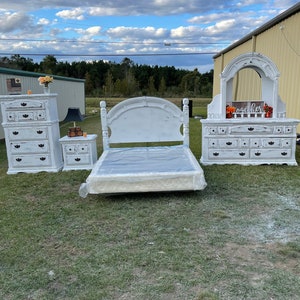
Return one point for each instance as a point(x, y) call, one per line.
point(45, 80)
point(229, 110)
point(268, 110)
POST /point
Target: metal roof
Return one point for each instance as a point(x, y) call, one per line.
point(34, 74)
point(286, 14)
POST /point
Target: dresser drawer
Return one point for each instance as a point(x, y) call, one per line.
point(33, 160)
point(29, 147)
point(225, 154)
point(78, 159)
point(252, 129)
point(270, 153)
point(25, 133)
point(26, 116)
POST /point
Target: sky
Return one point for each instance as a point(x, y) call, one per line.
point(185, 34)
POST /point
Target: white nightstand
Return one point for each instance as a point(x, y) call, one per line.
point(79, 153)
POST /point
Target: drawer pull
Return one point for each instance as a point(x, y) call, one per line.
point(216, 154)
point(18, 159)
point(228, 143)
point(242, 153)
point(42, 158)
point(257, 153)
point(271, 143)
point(41, 145)
point(17, 146)
point(23, 104)
point(25, 116)
point(250, 128)
point(15, 132)
point(77, 159)
point(39, 131)
point(284, 153)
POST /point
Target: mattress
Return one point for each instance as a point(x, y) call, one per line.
point(144, 169)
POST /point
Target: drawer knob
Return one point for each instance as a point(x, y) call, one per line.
point(216, 154)
point(250, 128)
point(25, 116)
point(284, 153)
point(23, 104)
point(39, 131)
point(271, 143)
point(242, 153)
point(18, 159)
point(42, 158)
point(257, 153)
point(15, 132)
point(77, 159)
point(228, 143)
point(17, 146)
point(41, 145)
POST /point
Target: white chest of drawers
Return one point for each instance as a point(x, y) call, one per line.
point(249, 142)
point(31, 129)
point(80, 153)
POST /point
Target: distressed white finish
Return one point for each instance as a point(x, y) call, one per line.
point(249, 138)
point(142, 168)
point(31, 130)
point(79, 153)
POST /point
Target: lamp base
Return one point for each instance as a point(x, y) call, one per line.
point(75, 131)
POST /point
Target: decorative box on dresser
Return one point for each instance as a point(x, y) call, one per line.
point(31, 129)
point(241, 132)
point(80, 153)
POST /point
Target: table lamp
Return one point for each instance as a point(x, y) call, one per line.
point(74, 115)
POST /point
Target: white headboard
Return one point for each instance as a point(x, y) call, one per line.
point(145, 119)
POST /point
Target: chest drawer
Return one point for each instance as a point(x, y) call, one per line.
point(29, 147)
point(30, 133)
point(30, 160)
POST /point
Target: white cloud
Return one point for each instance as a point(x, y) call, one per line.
point(74, 14)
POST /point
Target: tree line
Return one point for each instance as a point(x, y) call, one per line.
point(110, 79)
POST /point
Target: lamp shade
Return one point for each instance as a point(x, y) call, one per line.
point(73, 115)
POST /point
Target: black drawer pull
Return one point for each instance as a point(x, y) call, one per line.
point(242, 153)
point(17, 146)
point(250, 128)
point(25, 116)
point(42, 158)
point(18, 159)
point(77, 159)
point(271, 143)
point(41, 145)
point(216, 154)
point(257, 153)
point(23, 104)
point(39, 131)
point(15, 132)
point(228, 143)
point(284, 153)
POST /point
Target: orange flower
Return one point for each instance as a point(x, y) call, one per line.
point(230, 109)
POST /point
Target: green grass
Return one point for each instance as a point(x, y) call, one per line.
point(237, 239)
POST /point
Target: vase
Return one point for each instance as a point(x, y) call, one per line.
point(228, 115)
point(47, 89)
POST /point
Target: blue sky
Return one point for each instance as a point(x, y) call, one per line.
point(179, 33)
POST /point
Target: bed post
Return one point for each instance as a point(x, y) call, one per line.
point(186, 139)
point(103, 114)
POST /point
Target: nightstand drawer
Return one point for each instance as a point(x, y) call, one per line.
point(78, 159)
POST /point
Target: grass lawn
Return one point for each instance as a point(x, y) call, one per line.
point(237, 239)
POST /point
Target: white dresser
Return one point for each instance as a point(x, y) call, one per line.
point(249, 142)
point(31, 129)
point(248, 131)
point(80, 153)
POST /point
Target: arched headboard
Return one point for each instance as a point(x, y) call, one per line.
point(144, 119)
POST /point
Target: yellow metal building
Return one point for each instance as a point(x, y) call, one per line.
point(279, 40)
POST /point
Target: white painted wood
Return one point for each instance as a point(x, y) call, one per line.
point(31, 128)
point(249, 138)
point(80, 153)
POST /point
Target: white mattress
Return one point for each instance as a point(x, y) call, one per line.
point(143, 169)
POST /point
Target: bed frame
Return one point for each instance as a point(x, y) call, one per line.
point(168, 165)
